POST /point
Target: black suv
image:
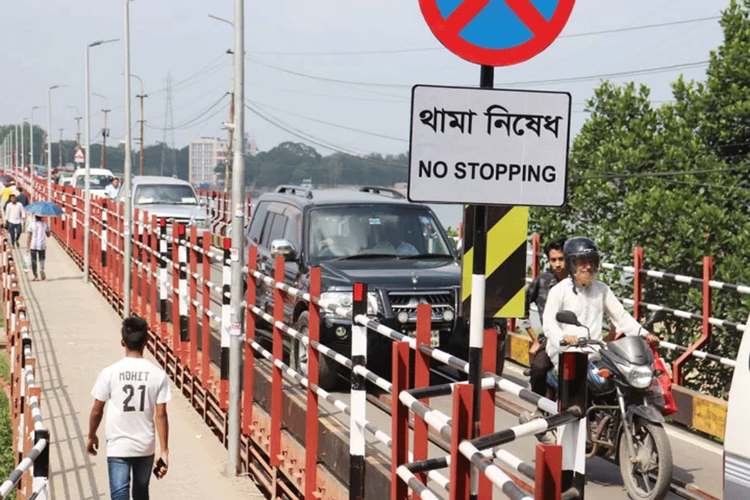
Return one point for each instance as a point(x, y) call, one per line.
point(375, 236)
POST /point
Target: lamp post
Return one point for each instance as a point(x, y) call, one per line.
point(87, 160)
point(128, 217)
point(228, 161)
point(31, 148)
point(49, 139)
point(23, 148)
point(238, 250)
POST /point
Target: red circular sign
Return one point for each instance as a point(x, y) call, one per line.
point(448, 29)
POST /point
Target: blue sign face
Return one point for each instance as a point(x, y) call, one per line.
point(496, 32)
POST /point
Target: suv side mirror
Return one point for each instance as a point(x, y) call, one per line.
point(283, 248)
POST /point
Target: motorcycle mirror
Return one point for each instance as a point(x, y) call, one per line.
point(567, 317)
point(656, 317)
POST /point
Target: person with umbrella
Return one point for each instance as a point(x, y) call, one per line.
point(38, 232)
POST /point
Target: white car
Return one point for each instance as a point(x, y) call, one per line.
point(99, 179)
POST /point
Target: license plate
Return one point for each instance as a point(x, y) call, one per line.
point(434, 338)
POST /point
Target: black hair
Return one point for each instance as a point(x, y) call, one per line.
point(134, 333)
point(556, 244)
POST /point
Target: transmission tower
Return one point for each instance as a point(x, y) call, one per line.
point(168, 160)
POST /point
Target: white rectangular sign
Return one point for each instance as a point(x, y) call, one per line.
point(488, 146)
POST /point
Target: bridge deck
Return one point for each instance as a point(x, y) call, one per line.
point(75, 334)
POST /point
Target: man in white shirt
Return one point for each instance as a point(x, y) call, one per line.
point(14, 214)
point(112, 188)
point(138, 391)
point(38, 232)
point(587, 297)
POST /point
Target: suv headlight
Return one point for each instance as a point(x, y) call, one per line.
point(200, 223)
point(344, 299)
point(639, 377)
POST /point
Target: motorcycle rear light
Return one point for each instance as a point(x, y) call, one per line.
point(604, 373)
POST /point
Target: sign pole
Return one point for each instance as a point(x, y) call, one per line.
point(476, 322)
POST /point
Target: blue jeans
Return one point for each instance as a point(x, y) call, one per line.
point(15, 233)
point(120, 469)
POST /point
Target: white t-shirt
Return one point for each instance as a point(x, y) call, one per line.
point(133, 386)
point(14, 213)
point(38, 230)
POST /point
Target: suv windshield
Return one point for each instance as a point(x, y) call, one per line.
point(378, 230)
point(95, 181)
point(169, 194)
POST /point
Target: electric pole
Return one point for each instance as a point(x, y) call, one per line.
point(78, 133)
point(60, 148)
point(105, 133)
point(141, 96)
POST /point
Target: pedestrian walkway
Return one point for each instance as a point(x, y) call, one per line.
point(75, 334)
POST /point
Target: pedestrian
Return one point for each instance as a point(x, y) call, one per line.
point(37, 242)
point(22, 198)
point(14, 214)
point(537, 292)
point(112, 188)
point(8, 189)
point(138, 392)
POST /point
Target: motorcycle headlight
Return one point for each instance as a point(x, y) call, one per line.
point(639, 377)
point(344, 299)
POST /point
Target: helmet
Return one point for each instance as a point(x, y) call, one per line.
point(577, 247)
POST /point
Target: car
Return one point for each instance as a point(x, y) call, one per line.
point(64, 178)
point(352, 236)
point(99, 179)
point(170, 198)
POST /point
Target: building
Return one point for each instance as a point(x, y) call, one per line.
point(205, 154)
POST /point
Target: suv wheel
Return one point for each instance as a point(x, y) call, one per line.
point(327, 370)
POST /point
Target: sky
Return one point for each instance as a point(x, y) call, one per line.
point(336, 72)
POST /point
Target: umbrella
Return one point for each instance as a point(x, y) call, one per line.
point(44, 208)
point(5, 178)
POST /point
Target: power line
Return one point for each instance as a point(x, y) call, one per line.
point(433, 49)
point(644, 71)
point(328, 123)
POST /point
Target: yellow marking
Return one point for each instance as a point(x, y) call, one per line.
point(519, 348)
point(709, 415)
point(466, 274)
point(514, 308)
point(506, 236)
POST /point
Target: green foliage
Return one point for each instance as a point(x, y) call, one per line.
point(4, 366)
point(666, 179)
point(7, 459)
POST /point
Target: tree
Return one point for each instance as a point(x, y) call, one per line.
point(666, 179)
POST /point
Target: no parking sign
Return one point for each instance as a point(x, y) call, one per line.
point(496, 32)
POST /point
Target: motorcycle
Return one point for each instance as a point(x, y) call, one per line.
point(623, 415)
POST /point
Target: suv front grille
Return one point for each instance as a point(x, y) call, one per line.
point(407, 302)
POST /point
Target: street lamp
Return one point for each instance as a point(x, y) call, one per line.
point(31, 147)
point(49, 139)
point(228, 161)
point(87, 160)
point(127, 171)
point(23, 147)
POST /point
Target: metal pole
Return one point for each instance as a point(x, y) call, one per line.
point(128, 216)
point(141, 96)
point(18, 141)
point(23, 149)
point(87, 166)
point(31, 148)
point(476, 322)
point(104, 140)
point(49, 144)
point(60, 148)
point(238, 254)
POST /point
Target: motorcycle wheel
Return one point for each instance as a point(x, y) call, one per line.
point(653, 461)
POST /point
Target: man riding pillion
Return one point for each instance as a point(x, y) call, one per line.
point(588, 298)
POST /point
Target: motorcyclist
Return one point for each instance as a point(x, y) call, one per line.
point(588, 298)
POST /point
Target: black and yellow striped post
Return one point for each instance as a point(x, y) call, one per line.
point(505, 268)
